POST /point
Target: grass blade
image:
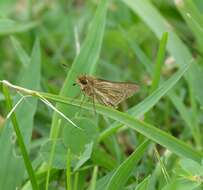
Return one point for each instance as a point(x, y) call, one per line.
point(94, 179)
point(8, 26)
point(68, 170)
point(52, 155)
point(159, 62)
point(20, 140)
point(124, 171)
point(166, 140)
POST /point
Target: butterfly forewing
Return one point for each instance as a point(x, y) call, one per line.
point(112, 93)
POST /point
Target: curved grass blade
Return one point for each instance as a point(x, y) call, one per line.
point(166, 140)
point(124, 171)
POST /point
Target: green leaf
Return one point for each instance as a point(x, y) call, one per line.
point(76, 139)
point(103, 159)
point(86, 155)
point(123, 172)
point(60, 154)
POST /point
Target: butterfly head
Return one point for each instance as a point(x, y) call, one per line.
point(82, 81)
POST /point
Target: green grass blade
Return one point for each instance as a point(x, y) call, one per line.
point(124, 171)
point(20, 140)
point(94, 179)
point(162, 166)
point(52, 155)
point(68, 170)
point(137, 50)
point(8, 26)
point(159, 25)
point(23, 56)
point(86, 60)
point(144, 184)
point(159, 62)
point(166, 140)
point(193, 17)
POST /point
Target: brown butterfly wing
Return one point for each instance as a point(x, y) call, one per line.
point(112, 93)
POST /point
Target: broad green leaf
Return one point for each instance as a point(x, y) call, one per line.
point(20, 141)
point(10, 162)
point(123, 172)
point(103, 159)
point(76, 139)
point(86, 155)
point(60, 154)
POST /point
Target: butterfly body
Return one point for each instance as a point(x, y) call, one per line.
point(106, 92)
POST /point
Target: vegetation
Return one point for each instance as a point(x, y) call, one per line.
point(51, 138)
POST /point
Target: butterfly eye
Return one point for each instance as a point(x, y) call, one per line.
point(84, 82)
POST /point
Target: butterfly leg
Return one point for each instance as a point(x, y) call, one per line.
point(93, 101)
point(81, 103)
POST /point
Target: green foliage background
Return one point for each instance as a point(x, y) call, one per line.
point(152, 142)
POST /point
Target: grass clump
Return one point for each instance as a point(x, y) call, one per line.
point(152, 141)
